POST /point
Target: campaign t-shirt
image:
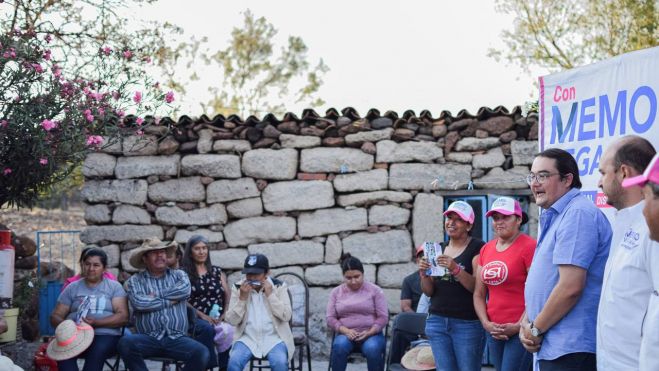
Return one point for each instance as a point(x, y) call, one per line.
point(100, 298)
point(504, 273)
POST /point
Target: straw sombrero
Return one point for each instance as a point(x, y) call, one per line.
point(150, 245)
point(418, 358)
point(70, 340)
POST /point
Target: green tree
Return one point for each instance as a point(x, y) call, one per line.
point(562, 34)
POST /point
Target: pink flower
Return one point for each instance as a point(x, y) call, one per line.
point(169, 97)
point(107, 50)
point(115, 95)
point(3, 124)
point(89, 118)
point(48, 125)
point(46, 54)
point(120, 113)
point(128, 54)
point(6, 171)
point(137, 98)
point(48, 38)
point(101, 111)
point(139, 121)
point(57, 71)
point(43, 161)
point(37, 67)
point(139, 132)
point(147, 59)
point(94, 140)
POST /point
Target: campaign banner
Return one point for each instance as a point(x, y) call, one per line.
point(585, 109)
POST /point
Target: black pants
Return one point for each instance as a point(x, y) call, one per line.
point(571, 362)
point(399, 344)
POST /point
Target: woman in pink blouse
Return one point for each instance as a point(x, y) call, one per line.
point(357, 312)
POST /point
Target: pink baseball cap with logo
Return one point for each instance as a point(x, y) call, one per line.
point(463, 209)
point(651, 174)
point(505, 206)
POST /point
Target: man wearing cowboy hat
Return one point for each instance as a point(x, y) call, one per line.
point(158, 296)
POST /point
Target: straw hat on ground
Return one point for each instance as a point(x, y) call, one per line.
point(418, 358)
point(150, 245)
point(70, 340)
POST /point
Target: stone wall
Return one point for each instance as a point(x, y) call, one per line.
point(302, 191)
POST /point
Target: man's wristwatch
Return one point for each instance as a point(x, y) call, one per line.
point(535, 331)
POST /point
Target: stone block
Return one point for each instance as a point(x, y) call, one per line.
point(523, 152)
point(393, 300)
point(324, 275)
point(97, 214)
point(290, 253)
point(112, 145)
point(214, 214)
point(493, 158)
point(245, 208)
point(229, 190)
point(248, 231)
point(182, 236)
point(460, 157)
point(392, 275)
point(127, 214)
point(388, 215)
point(384, 247)
point(231, 145)
point(328, 221)
point(140, 145)
point(144, 166)
point(476, 144)
point(120, 233)
point(125, 191)
point(98, 165)
point(369, 136)
point(298, 141)
point(180, 190)
point(125, 262)
point(366, 198)
point(372, 180)
point(113, 253)
point(333, 249)
point(298, 195)
point(421, 176)
point(427, 218)
point(390, 151)
point(271, 164)
point(335, 160)
point(228, 259)
point(497, 178)
point(216, 166)
point(205, 141)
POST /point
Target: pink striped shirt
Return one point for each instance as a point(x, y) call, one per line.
point(357, 310)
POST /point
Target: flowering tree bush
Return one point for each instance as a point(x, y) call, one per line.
point(50, 121)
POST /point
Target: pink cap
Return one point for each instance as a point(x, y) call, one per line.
point(419, 250)
point(505, 206)
point(463, 209)
point(651, 174)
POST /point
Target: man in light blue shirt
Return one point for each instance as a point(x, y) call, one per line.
point(565, 280)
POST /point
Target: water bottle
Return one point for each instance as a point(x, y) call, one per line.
point(215, 312)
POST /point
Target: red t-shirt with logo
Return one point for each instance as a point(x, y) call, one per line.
point(504, 274)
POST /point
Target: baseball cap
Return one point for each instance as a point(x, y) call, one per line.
point(256, 264)
point(507, 206)
point(651, 174)
point(419, 250)
point(463, 209)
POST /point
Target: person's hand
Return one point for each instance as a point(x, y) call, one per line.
point(423, 267)
point(267, 286)
point(510, 329)
point(447, 262)
point(349, 333)
point(529, 342)
point(208, 318)
point(363, 335)
point(496, 330)
point(90, 321)
point(245, 289)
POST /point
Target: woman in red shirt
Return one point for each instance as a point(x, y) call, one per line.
point(501, 274)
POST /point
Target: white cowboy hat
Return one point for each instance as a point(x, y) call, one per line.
point(70, 340)
point(150, 245)
point(418, 358)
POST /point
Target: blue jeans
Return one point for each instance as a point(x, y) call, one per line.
point(102, 348)
point(204, 333)
point(457, 344)
point(509, 355)
point(135, 348)
point(372, 348)
point(240, 356)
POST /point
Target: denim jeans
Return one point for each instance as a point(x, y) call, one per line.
point(204, 333)
point(457, 344)
point(372, 348)
point(134, 348)
point(102, 348)
point(571, 362)
point(240, 356)
point(509, 355)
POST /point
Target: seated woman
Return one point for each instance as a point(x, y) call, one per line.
point(106, 311)
point(208, 288)
point(77, 277)
point(357, 312)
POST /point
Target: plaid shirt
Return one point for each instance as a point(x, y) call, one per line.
point(151, 299)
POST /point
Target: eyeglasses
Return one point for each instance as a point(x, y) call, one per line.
point(539, 177)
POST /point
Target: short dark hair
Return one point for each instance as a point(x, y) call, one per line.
point(636, 152)
point(349, 263)
point(95, 252)
point(565, 164)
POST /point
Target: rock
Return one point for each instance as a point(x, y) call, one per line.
point(461, 124)
point(450, 140)
point(477, 173)
point(290, 127)
point(476, 144)
point(372, 180)
point(492, 158)
point(120, 233)
point(324, 275)
point(136, 145)
point(497, 125)
point(247, 231)
point(533, 132)
point(266, 143)
point(470, 130)
point(29, 262)
point(427, 218)
point(381, 123)
point(229, 190)
point(97, 214)
point(393, 300)
point(358, 199)
point(98, 165)
point(392, 275)
point(439, 131)
point(245, 208)
point(497, 178)
point(125, 191)
point(333, 142)
point(229, 258)
point(421, 176)
point(298, 195)
point(328, 221)
point(390, 151)
point(523, 152)
point(368, 148)
point(216, 166)
point(168, 146)
point(461, 157)
point(231, 146)
point(388, 215)
point(214, 214)
point(335, 160)
point(205, 141)
point(369, 136)
point(182, 236)
point(271, 164)
point(481, 134)
point(144, 166)
point(113, 253)
point(383, 247)
point(312, 131)
point(508, 136)
point(127, 214)
point(290, 253)
point(333, 249)
point(179, 190)
point(403, 134)
point(112, 145)
point(271, 132)
point(298, 141)
point(24, 246)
